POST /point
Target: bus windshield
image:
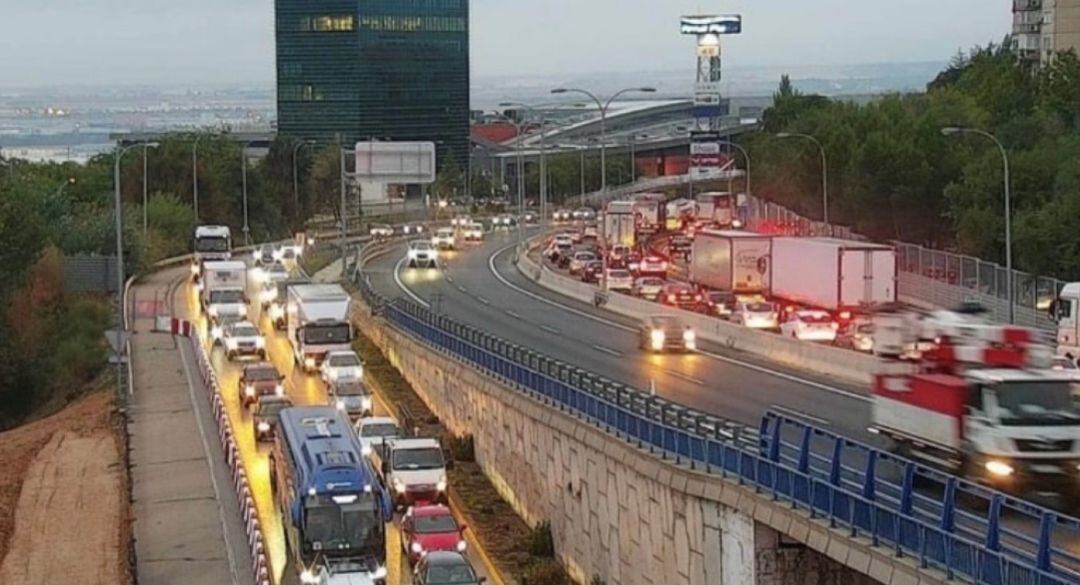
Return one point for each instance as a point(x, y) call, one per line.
point(212, 245)
point(226, 296)
point(326, 334)
point(1037, 404)
point(335, 526)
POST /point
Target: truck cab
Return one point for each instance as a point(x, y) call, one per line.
point(414, 469)
point(317, 323)
point(223, 290)
point(212, 243)
point(1065, 311)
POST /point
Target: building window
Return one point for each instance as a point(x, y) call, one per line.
point(327, 23)
point(411, 24)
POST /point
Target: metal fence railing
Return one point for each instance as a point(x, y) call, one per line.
point(869, 492)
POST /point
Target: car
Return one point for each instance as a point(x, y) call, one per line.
point(373, 431)
point(584, 214)
point(563, 261)
point(577, 236)
point(461, 221)
point(530, 218)
point(859, 336)
point(504, 221)
point(341, 366)
point(411, 229)
point(619, 279)
point(263, 255)
point(1065, 365)
point(562, 215)
point(809, 325)
point(617, 256)
point(381, 230)
point(590, 231)
point(428, 529)
point(474, 232)
point(633, 261)
point(422, 254)
point(648, 287)
point(445, 568)
point(352, 397)
point(557, 249)
point(265, 416)
point(257, 381)
point(660, 333)
point(242, 339)
point(682, 295)
point(756, 315)
point(579, 259)
point(268, 277)
point(592, 271)
point(653, 265)
point(443, 239)
point(287, 254)
point(719, 303)
point(415, 470)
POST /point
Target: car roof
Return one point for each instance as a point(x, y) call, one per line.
point(260, 366)
point(377, 420)
point(341, 352)
point(416, 444)
point(245, 323)
point(427, 511)
point(812, 313)
point(445, 557)
point(273, 398)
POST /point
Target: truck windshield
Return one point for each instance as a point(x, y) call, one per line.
point(349, 526)
point(1037, 404)
point(386, 430)
point(212, 245)
point(327, 334)
point(226, 296)
point(416, 459)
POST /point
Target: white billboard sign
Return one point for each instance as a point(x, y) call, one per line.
point(395, 163)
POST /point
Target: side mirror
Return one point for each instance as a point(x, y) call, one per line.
point(1052, 311)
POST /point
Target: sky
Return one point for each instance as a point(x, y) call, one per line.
point(189, 42)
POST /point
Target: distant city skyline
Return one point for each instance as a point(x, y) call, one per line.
point(154, 42)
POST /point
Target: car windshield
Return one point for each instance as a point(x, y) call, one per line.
point(619, 274)
point(585, 256)
point(344, 360)
point(445, 233)
point(277, 270)
point(455, 574)
point(416, 459)
point(379, 430)
point(435, 524)
point(651, 282)
point(719, 297)
point(760, 307)
point(261, 373)
point(1047, 403)
point(244, 331)
point(272, 407)
point(353, 525)
point(1061, 363)
point(326, 334)
point(421, 246)
point(665, 322)
point(226, 296)
point(815, 318)
point(212, 245)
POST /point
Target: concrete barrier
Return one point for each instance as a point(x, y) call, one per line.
point(849, 366)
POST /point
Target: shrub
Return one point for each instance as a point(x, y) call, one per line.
point(596, 580)
point(541, 543)
point(545, 572)
point(462, 449)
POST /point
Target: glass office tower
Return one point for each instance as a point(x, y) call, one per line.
point(353, 70)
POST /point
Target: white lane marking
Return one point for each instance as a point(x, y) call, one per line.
point(686, 377)
point(800, 414)
point(715, 356)
point(608, 350)
point(550, 329)
point(405, 289)
point(513, 314)
point(209, 464)
point(483, 300)
point(449, 278)
point(462, 289)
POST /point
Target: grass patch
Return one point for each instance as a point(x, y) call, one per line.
point(315, 260)
point(505, 537)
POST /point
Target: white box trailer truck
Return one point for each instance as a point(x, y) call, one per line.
point(212, 243)
point(620, 224)
point(223, 290)
point(832, 274)
point(318, 322)
point(731, 261)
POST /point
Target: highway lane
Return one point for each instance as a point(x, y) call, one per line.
point(479, 285)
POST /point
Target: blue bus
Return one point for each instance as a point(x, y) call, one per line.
point(334, 508)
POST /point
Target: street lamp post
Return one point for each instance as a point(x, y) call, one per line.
point(824, 170)
point(195, 175)
point(603, 121)
point(543, 150)
point(119, 206)
point(243, 173)
point(952, 131)
point(144, 195)
point(295, 175)
point(746, 156)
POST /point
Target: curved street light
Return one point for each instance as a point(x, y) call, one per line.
point(824, 170)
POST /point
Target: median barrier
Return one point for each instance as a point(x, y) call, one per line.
point(847, 365)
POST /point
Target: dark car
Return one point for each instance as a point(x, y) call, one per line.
point(352, 397)
point(660, 333)
point(445, 568)
point(258, 380)
point(719, 303)
point(266, 416)
point(264, 255)
point(682, 295)
point(592, 271)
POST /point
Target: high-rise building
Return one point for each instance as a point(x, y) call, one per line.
point(353, 70)
point(1041, 28)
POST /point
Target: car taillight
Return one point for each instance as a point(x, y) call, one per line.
point(845, 315)
point(671, 298)
point(697, 297)
point(835, 325)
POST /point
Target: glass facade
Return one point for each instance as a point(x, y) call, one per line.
point(375, 69)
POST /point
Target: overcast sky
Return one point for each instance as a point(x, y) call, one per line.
point(45, 42)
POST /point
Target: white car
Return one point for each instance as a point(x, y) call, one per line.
point(412, 229)
point(242, 338)
point(1065, 365)
point(584, 213)
point(579, 260)
point(342, 366)
point(415, 470)
point(590, 232)
point(530, 218)
point(422, 253)
point(474, 232)
point(374, 430)
point(461, 221)
point(619, 279)
point(562, 215)
point(563, 240)
point(649, 288)
point(504, 222)
point(756, 315)
point(268, 278)
point(443, 239)
point(653, 266)
point(810, 325)
point(381, 230)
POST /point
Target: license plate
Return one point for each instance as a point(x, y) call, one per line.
point(1044, 468)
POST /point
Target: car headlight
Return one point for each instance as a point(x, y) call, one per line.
point(277, 312)
point(249, 390)
point(689, 336)
point(264, 427)
point(243, 310)
point(399, 487)
point(195, 269)
point(412, 254)
point(332, 375)
point(279, 390)
point(216, 332)
point(999, 468)
point(365, 403)
point(441, 485)
point(461, 545)
point(231, 343)
point(657, 339)
point(308, 578)
point(213, 311)
point(340, 404)
point(416, 547)
point(379, 573)
point(365, 450)
point(309, 362)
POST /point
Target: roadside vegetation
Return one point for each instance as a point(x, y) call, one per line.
point(893, 175)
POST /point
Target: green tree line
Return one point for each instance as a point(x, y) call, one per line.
point(894, 175)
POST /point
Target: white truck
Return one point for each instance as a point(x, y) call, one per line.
point(988, 408)
point(835, 275)
point(716, 207)
point(1065, 311)
point(223, 291)
point(731, 261)
point(620, 224)
point(414, 469)
point(212, 243)
point(651, 211)
point(317, 322)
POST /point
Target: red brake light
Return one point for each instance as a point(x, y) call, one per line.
point(845, 315)
point(835, 325)
point(697, 297)
point(671, 298)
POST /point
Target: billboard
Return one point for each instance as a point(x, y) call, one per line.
point(730, 24)
point(395, 162)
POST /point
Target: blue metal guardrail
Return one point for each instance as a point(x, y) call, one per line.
point(873, 494)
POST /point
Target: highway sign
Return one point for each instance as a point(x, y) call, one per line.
point(396, 163)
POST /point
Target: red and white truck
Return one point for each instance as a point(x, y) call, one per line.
point(836, 275)
point(739, 262)
point(988, 407)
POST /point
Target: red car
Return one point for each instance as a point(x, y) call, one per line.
point(592, 271)
point(259, 379)
point(682, 295)
point(427, 529)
